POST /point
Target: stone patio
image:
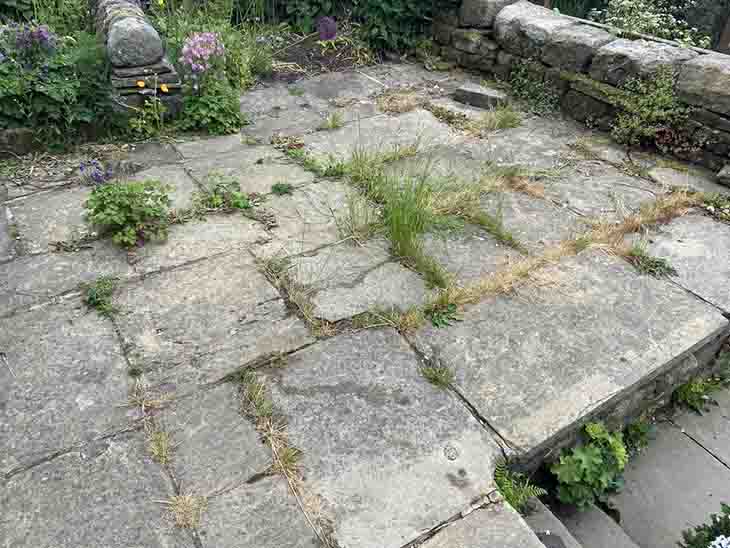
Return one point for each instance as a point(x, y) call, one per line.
point(385, 459)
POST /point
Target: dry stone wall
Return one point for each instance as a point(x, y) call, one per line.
point(587, 63)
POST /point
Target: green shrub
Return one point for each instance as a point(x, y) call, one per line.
point(527, 84)
point(703, 536)
point(215, 110)
point(589, 472)
point(515, 487)
point(131, 212)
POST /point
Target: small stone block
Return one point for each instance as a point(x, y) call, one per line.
point(480, 96)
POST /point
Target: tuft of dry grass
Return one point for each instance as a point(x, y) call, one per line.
point(186, 511)
point(360, 222)
point(399, 102)
point(160, 445)
point(144, 398)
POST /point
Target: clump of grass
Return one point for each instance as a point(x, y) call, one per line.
point(360, 221)
point(255, 400)
point(445, 316)
point(282, 189)
point(334, 120)
point(161, 445)
point(98, 295)
point(147, 400)
point(495, 226)
point(402, 321)
point(658, 267)
point(187, 510)
point(438, 375)
point(286, 460)
point(515, 487)
point(501, 117)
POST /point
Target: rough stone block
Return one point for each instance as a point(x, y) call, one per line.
point(705, 82)
point(371, 428)
point(133, 42)
point(537, 363)
point(472, 41)
point(683, 176)
point(442, 33)
point(711, 119)
point(64, 379)
point(723, 176)
point(481, 13)
point(480, 96)
point(622, 59)
point(524, 28)
point(572, 48)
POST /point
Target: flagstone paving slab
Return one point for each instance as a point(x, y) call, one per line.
point(371, 430)
point(346, 280)
point(694, 177)
point(102, 494)
point(208, 147)
point(183, 188)
point(534, 363)
point(64, 381)
point(452, 161)
point(255, 168)
point(215, 449)
point(7, 235)
point(712, 428)
point(52, 216)
point(697, 247)
point(196, 324)
point(263, 514)
point(496, 525)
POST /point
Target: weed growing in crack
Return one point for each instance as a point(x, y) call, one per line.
point(500, 117)
point(360, 221)
point(335, 120)
point(282, 189)
point(98, 295)
point(222, 194)
point(160, 445)
point(402, 321)
point(718, 206)
point(657, 267)
point(438, 375)
point(444, 317)
point(186, 511)
point(516, 488)
point(696, 393)
point(637, 435)
point(399, 102)
point(254, 397)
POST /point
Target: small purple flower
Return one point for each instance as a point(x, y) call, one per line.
point(327, 28)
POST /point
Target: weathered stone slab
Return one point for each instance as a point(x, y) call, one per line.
point(572, 48)
point(696, 246)
point(347, 280)
point(212, 146)
point(195, 324)
point(536, 363)
point(64, 379)
point(480, 96)
point(470, 255)
point(103, 494)
point(262, 127)
point(496, 525)
point(404, 75)
point(293, 99)
point(711, 429)
point(693, 177)
point(339, 86)
point(723, 176)
point(371, 430)
point(593, 527)
point(137, 157)
point(534, 222)
point(524, 28)
point(481, 13)
point(381, 133)
point(306, 220)
point(255, 168)
point(39, 278)
point(672, 485)
point(544, 522)
point(7, 235)
point(183, 187)
point(705, 82)
point(596, 146)
point(49, 217)
point(215, 448)
point(599, 191)
point(264, 514)
point(621, 59)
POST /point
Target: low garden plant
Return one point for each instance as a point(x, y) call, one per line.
point(713, 534)
point(515, 487)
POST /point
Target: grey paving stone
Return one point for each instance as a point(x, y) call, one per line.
point(50, 216)
point(449, 161)
point(283, 99)
point(255, 168)
point(403, 75)
point(104, 494)
point(373, 431)
point(306, 219)
point(212, 146)
point(215, 448)
point(197, 323)
point(264, 515)
point(469, 255)
point(670, 486)
point(340, 85)
point(543, 521)
point(692, 177)
point(601, 147)
point(696, 246)
point(286, 122)
point(7, 235)
point(496, 525)
point(535, 363)
point(139, 156)
point(38, 278)
point(183, 187)
point(536, 223)
point(712, 428)
point(592, 527)
point(347, 280)
point(381, 133)
point(65, 381)
point(597, 190)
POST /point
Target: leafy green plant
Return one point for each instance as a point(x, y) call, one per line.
point(646, 264)
point(149, 119)
point(637, 435)
point(717, 205)
point(445, 316)
point(223, 194)
point(98, 294)
point(438, 375)
point(695, 394)
point(515, 487)
point(282, 189)
point(590, 471)
point(706, 535)
point(132, 212)
point(528, 84)
point(215, 110)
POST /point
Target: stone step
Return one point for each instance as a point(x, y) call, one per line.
point(549, 529)
point(593, 528)
point(674, 484)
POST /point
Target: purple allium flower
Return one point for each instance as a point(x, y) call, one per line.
point(327, 28)
point(92, 172)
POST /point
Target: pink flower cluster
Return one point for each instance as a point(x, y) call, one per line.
point(202, 51)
